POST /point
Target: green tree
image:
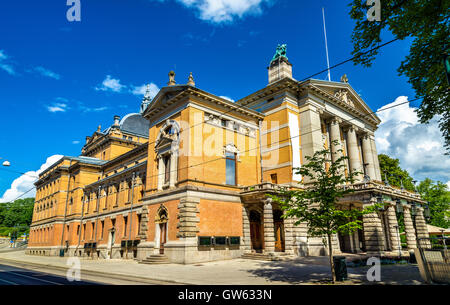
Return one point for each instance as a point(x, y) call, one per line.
point(390, 169)
point(427, 23)
point(316, 205)
point(16, 216)
point(438, 197)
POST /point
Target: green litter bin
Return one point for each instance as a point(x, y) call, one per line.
point(61, 252)
point(340, 268)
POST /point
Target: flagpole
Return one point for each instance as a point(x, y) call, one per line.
point(326, 43)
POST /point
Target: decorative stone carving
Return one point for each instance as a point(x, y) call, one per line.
point(231, 148)
point(343, 96)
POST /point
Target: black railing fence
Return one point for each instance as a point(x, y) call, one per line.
point(434, 260)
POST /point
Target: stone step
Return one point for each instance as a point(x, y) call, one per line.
point(156, 259)
point(259, 256)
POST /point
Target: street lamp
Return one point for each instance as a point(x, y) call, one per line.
point(443, 239)
point(426, 212)
point(399, 244)
point(399, 206)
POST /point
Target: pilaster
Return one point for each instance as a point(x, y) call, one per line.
point(269, 231)
point(187, 217)
point(422, 229)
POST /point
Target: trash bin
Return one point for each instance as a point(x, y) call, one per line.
point(340, 268)
point(61, 252)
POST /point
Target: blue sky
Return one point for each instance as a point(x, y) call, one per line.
point(52, 71)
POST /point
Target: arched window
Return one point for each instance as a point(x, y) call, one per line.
point(166, 148)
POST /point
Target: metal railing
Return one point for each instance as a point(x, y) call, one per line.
point(434, 259)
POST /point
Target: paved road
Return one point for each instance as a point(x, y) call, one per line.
point(18, 276)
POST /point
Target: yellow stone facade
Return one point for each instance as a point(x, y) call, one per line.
point(186, 179)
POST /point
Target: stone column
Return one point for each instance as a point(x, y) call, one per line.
point(422, 230)
point(173, 169)
point(393, 227)
point(246, 239)
point(289, 235)
point(353, 152)
point(375, 159)
point(368, 158)
point(335, 135)
point(300, 237)
point(356, 241)
point(373, 232)
point(311, 133)
point(269, 231)
point(160, 173)
point(409, 228)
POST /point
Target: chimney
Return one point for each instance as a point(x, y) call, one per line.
point(116, 121)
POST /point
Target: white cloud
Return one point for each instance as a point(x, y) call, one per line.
point(57, 107)
point(419, 147)
point(111, 84)
point(448, 184)
point(5, 64)
point(141, 90)
point(25, 182)
point(221, 11)
point(75, 142)
point(227, 98)
point(45, 72)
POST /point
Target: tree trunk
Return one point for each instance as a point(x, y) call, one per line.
point(330, 247)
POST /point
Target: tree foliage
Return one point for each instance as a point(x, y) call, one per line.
point(390, 169)
point(438, 197)
point(17, 214)
point(317, 204)
point(427, 23)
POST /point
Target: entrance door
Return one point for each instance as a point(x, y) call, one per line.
point(279, 231)
point(162, 236)
point(255, 231)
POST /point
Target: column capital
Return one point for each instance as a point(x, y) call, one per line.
point(268, 201)
point(335, 120)
point(406, 206)
point(351, 128)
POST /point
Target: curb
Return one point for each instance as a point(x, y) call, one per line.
point(118, 276)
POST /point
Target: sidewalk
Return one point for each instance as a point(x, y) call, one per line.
point(310, 270)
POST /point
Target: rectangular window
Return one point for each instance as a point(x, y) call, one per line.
point(92, 230)
point(125, 221)
point(166, 169)
point(231, 168)
point(139, 224)
point(274, 178)
point(84, 231)
point(102, 228)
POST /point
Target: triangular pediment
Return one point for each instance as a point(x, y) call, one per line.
point(160, 101)
point(345, 94)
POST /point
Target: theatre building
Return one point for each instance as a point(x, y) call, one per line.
point(187, 178)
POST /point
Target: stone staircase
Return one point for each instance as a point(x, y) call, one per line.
point(156, 259)
point(268, 257)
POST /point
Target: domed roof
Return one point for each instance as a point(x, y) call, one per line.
point(135, 123)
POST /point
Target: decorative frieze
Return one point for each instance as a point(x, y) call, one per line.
point(230, 125)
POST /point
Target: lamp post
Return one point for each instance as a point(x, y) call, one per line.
point(399, 243)
point(443, 239)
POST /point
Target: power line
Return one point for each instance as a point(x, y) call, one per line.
point(304, 79)
point(289, 138)
point(245, 104)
